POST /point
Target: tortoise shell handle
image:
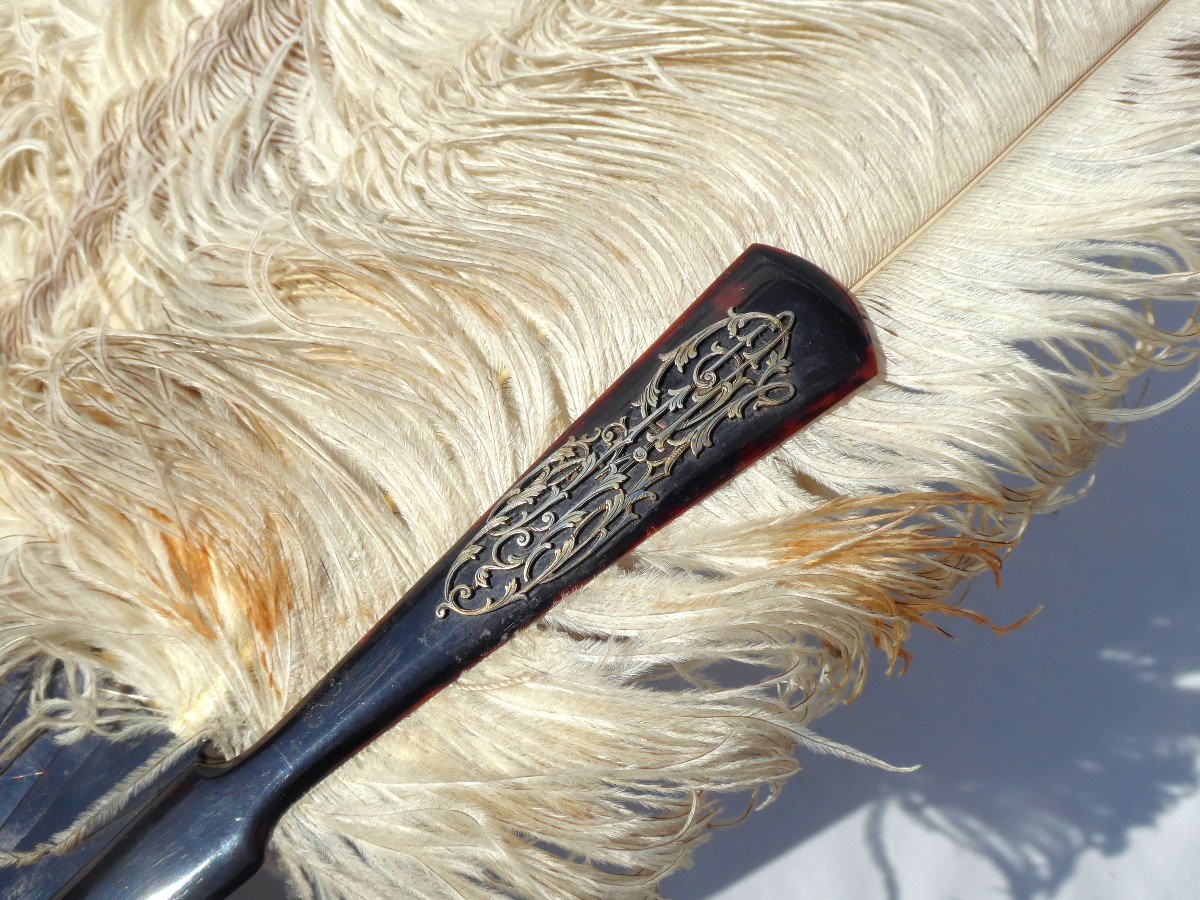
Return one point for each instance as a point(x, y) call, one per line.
point(768, 346)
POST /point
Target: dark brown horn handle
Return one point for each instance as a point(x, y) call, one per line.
point(770, 345)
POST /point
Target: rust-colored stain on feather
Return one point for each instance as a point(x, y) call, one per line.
point(214, 588)
point(912, 538)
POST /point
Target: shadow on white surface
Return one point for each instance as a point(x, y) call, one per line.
point(1036, 748)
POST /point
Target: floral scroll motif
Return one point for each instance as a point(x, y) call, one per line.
point(597, 484)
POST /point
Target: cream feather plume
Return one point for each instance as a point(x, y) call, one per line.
point(292, 290)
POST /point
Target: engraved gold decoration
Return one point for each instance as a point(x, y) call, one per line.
point(589, 490)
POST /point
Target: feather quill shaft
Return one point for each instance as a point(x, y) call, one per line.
point(1003, 154)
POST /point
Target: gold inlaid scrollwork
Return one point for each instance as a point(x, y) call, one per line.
point(598, 484)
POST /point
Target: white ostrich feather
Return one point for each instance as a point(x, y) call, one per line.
point(291, 291)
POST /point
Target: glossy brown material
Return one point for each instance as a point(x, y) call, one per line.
point(770, 345)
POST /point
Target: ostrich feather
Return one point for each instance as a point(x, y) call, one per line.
point(292, 290)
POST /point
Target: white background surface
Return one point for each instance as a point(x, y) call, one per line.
point(1062, 760)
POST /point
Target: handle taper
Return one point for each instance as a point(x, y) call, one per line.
point(770, 345)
